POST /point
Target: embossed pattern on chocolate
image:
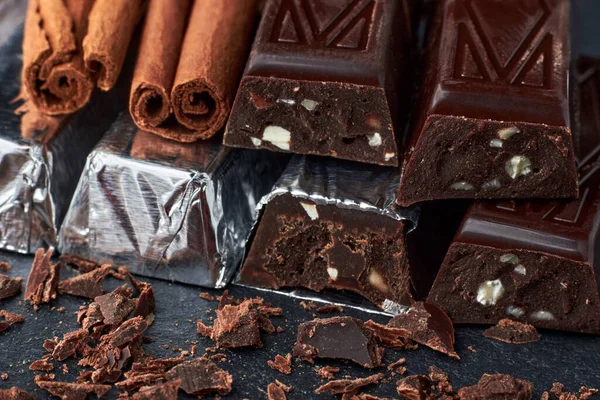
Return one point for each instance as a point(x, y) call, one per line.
point(493, 119)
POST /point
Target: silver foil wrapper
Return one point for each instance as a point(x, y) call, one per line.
point(345, 184)
point(175, 211)
point(37, 181)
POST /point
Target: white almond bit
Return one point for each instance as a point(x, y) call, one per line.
point(377, 280)
point(462, 186)
point(509, 258)
point(311, 210)
point(506, 133)
point(542, 316)
point(332, 272)
point(520, 269)
point(256, 141)
point(517, 166)
point(374, 139)
point(289, 102)
point(490, 292)
point(516, 312)
point(496, 143)
point(388, 156)
point(493, 184)
point(278, 136)
point(309, 104)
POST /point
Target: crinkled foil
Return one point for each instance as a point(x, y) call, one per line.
point(180, 212)
point(37, 180)
point(345, 184)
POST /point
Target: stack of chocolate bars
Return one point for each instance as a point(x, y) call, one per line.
point(442, 151)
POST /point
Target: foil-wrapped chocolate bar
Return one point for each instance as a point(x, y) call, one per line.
point(38, 180)
point(332, 224)
point(169, 210)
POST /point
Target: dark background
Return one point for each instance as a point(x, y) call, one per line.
point(569, 358)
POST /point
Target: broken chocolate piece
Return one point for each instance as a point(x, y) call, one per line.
point(515, 332)
point(341, 386)
point(73, 343)
point(9, 319)
point(416, 387)
point(43, 279)
point(327, 372)
point(41, 365)
point(387, 336)
point(87, 285)
point(275, 392)
point(163, 391)
point(15, 393)
point(201, 376)
point(82, 265)
point(429, 326)
point(498, 386)
point(329, 308)
point(72, 391)
point(115, 306)
point(281, 364)
point(9, 287)
point(337, 337)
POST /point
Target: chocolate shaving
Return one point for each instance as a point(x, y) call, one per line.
point(9, 320)
point(329, 308)
point(514, 332)
point(207, 296)
point(15, 393)
point(341, 386)
point(72, 391)
point(9, 287)
point(497, 386)
point(327, 372)
point(201, 376)
point(281, 364)
point(81, 264)
point(162, 391)
point(416, 387)
point(88, 285)
point(43, 279)
point(428, 325)
point(73, 343)
point(115, 306)
point(275, 392)
point(4, 266)
point(41, 365)
point(387, 336)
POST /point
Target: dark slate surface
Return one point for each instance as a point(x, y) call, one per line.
point(568, 358)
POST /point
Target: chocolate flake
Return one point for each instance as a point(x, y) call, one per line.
point(308, 306)
point(9, 287)
point(395, 338)
point(275, 392)
point(207, 296)
point(281, 364)
point(73, 343)
point(72, 391)
point(416, 387)
point(327, 372)
point(337, 337)
point(341, 386)
point(82, 265)
point(201, 376)
point(497, 386)
point(115, 306)
point(41, 365)
point(329, 308)
point(396, 364)
point(514, 332)
point(9, 320)
point(15, 393)
point(88, 285)
point(43, 279)
point(162, 391)
point(428, 325)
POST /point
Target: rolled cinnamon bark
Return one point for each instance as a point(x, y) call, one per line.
point(54, 76)
point(192, 99)
point(111, 26)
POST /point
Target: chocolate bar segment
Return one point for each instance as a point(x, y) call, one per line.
point(533, 261)
point(326, 77)
point(493, 119)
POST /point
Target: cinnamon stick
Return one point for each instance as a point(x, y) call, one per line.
point(111, 26)
point(54, 76)
point(190, 99)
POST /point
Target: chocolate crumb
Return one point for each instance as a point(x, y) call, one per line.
point(201, 376)
point(341, 386)
point(329, 308)
point(308, 306)
point(327, 372)
point(279, 329)
point(43, 279)
point(161, 391)
point(207, 296)
point(9, 287)
point(391, 337)
point(281, 364)
point(497, 386)
point(514, 332)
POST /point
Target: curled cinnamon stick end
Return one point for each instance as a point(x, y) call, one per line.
point(111, 26)
point(202, 84)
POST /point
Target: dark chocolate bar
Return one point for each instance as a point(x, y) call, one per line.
point(493, 119)
point(331, 224)
point(327, 77)
point(533, 261)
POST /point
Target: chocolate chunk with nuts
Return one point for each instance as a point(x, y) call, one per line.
point(416, 387)
point(388, 336)
point(82, 265)
point(9, 287)
point(43, 279)
point(201, 376)
point(282, 364)
point(498, 386)
point(337, 337)
point(515, 332)
point(341, 386)
point(429, 326)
